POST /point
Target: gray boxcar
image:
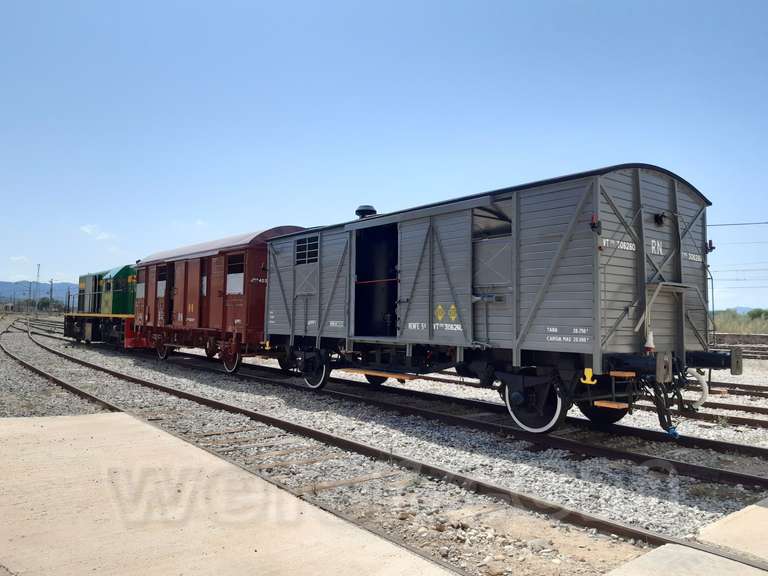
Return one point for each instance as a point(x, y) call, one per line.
point(589, 289)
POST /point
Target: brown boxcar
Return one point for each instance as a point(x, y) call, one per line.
point(209, 295)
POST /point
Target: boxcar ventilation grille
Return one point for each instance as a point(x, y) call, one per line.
point(306, 250)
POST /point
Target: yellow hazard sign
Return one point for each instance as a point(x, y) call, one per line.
point(453, 313)
point(439, 312)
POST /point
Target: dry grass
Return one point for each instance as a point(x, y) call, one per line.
point(733, 322)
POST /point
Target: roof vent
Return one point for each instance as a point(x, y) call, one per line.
point(364, 211)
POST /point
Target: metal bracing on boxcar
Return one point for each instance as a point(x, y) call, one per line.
point(597, 320)
point(643, 281)
point(561, 249)
point(659, 269)
point(702, 340)
point(516, 356)
point(447, 269)
point(639, 239)
point(339, 267)
point(288, 311)
point(319, 290)
point(672, 253)
point(349, 296)
point(431, 280)
point(627, 226)
point(682, 312)
point(642, 269)
point(411, 292)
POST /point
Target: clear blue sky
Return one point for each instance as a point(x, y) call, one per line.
point(129, 127)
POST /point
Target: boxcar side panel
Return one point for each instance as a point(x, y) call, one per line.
point(660, 238)
point(179, 293)
point(335, 251)
point(436, 279)
point(415, 264)
point(234, 296)
point(141, 295)
point(192, 305)
point(280, 279)
point(452, 278)
point(216, 296)
point(494, 248)
point(305, 298)
point(623, 275)
point(151, 301)
point(205, 291)
point(646, 216)
point(162, 295)
point(556, 254)
point(255, 289)
point(694, 267)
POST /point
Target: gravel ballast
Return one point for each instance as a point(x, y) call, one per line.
point(471, 532)
point(617, 490)
point(24, 393)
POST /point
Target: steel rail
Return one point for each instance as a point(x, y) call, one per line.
point(483, 406)
point(710, 417)
point(283, 486)
point(58, 381)
point(657, 463)
point(716, 405)
point(738, 389)
point(518, 499)
point(470, 483)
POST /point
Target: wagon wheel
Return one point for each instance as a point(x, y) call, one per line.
point(211, 349)
point(231, 359)
point(537, 409)
point(285, 365)
point(376, 380)
point(600, 415)
point(316, 376)
point(162, 350)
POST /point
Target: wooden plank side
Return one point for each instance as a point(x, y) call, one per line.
point(216, 295)
point(140, 302)
point(151, 300)
point(192, 304)
point(234, 303)
point(205, 291)
point(179, 294)
point(255, 291)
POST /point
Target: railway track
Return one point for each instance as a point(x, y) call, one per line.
point(492, 417)
point(51, 327)
point(273, 434)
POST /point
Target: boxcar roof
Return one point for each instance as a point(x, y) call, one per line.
point(558, 179)
point(213, 247)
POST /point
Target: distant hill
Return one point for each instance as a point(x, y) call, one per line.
point(742, 309)
point(21, 290)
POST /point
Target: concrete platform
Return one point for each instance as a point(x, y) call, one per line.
point(745, 530)
point(108, 494)
point(674, 560)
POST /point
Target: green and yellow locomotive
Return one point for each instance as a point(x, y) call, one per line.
point(105, 305)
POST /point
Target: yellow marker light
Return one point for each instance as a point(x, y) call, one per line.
point(588, 377)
